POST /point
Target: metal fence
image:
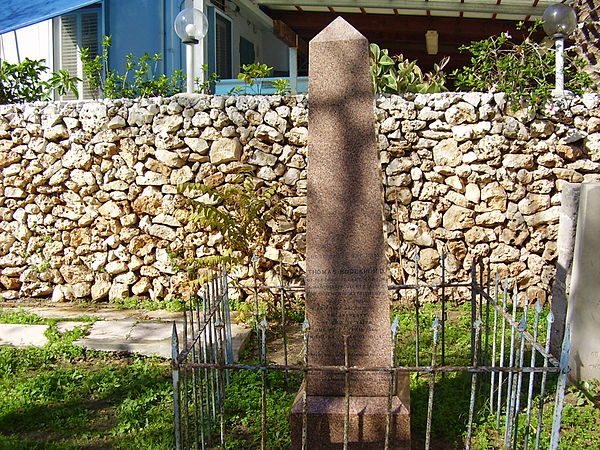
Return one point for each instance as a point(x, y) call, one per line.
point(512, 372)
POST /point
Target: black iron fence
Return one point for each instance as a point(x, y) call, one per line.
point(512, 372)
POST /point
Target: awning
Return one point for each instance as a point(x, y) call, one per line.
point(481, 9)
point(15, 14)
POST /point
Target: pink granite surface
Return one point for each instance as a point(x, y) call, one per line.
point(346, 280)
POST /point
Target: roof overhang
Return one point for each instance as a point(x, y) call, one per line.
point(513, 10)
point(401, 26)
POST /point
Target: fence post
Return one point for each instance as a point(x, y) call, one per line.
point(176, 399)
point(417, 329)
point(538, 432)
point(536, 322)
point(560, 389)
point(473, 311)
point(388, 419)
point(305, 331)
point(477, 326)
point(443, 263)
point(436, 327)
point(263, 325)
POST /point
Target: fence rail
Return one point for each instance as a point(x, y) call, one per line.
point(509, 355)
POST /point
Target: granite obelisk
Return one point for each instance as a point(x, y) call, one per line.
point(347, 303)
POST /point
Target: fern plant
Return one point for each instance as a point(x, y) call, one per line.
point(239, 211)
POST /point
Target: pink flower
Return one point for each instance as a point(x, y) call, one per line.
point(551, 109)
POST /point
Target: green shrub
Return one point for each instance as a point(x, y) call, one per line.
point(23, 82)
point(140, 79)
point(525, 71)
point(206, 86)
point(394, 74)
point(239, 211)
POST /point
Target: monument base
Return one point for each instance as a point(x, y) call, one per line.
point(367, 422)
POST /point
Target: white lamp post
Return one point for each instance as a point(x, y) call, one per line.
point(559, 22)
point(191, 26)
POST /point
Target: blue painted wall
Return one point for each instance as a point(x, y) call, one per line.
point(143, 26)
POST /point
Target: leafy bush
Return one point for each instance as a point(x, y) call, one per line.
point(140, 79)
point(251, 75)
point(205, 87)
point(394, 74)
point(22, 82)
point(524, 71)
point(239, 211)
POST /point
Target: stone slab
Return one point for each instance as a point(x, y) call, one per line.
point(367, 423)
point(150, 331)
point(111, 329)
point(69, 325)
point(583, 313)
point(368, 416)
point(346, 281)
point(146, 338)
point(125, 334)
point(66, 312)
point(23, 335)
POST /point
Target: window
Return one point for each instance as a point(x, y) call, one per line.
point(247, 54)
point(223, 46)
point(76, 31)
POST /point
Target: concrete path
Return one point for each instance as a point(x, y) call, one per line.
point(110, 330)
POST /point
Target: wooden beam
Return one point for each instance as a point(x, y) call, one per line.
point(403, 34)
point(309, 24)
point(289, 36)
point(444, 7)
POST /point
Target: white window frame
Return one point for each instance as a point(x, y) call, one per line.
point(58, 46)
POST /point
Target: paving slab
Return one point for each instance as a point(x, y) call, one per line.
point(239, 337)
point(132, 331)
point(111, 329)
point(23, 335)
point(66, 312)
point(151, 331)
point(69, 325)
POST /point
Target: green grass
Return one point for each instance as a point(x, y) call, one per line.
point(581, 421)
point(243, 409)
point(21, 316)
point(63, 397)
point(174, 305)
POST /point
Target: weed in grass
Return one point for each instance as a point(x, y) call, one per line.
point(61, 397)
point(20, 316)
point(174, 305)
point(243, 409)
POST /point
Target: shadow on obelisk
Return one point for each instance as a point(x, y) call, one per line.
point(347, 303)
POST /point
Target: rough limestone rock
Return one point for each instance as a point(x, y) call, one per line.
point(447, 153)
point(225, 150)
point(89, 200)
point(458, 218)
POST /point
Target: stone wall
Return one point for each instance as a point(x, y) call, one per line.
point(89, 188)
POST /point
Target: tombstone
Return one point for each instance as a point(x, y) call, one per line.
point(346, 272)
point(583, 312)
point(565, 243)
